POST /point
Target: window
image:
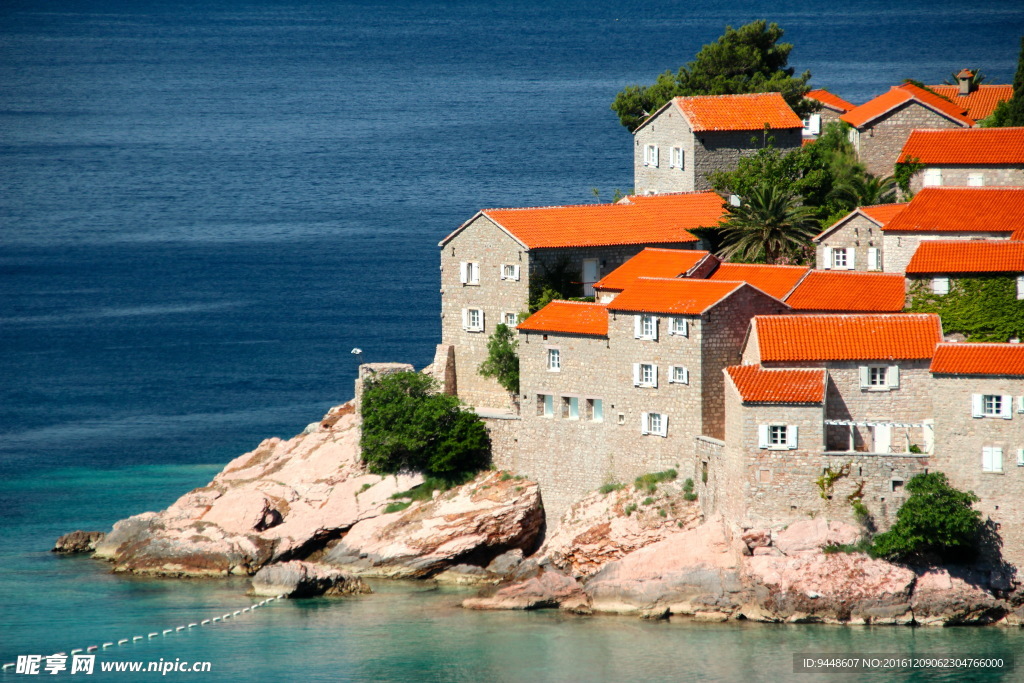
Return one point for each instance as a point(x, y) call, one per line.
point(472, 319)
point(469, 273)
point(509, 271)
point(645, 375)
point(879, 377)
point(940, 285)
point(677, 158)
point(777, 437)
point(812, 124)
point(873, 260)
point(554, 360)
point(679, 326)
point(571, 407)
point(645, 327)
point(932, 177)
point(839, 259)
point(511, 319)
point(976, 180)
point(677, 374)
point(654, 423)
point(595, 410)
point(545, 405)
point(992, 459)
point(651, 155)
point(992, 405)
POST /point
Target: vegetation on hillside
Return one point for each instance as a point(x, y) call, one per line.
point(748, 59)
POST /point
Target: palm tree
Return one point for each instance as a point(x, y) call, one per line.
point(769, 224)
point(863, 189)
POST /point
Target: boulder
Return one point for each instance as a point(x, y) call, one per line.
point(545, 587)
point(297, 579)
point(811, 535)
point(942, 599)
point(696, 571)
point(471, 524)
point(78, 542)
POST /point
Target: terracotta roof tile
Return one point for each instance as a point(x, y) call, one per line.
point(776, 281)
point(979, 103)
point(962, 209)
point(897, 95)
point(849, 291)
point(880, 214)
point(663, 219)
point(829, 100)
point(569, 317)
point(968, 256)
point(965, 146)
point(651, 262)
point(979, 359)
point(668, 295)
point(847, 337)
point(757, 385)
point(738, 112)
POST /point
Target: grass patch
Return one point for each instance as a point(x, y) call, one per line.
point(365, 486)
point(647, 501)
point(396, 507)
point(862, 546)
point(630, 509)
point(649, 482)
point(425, 491)
point(662, 512)
point(608, 488)
point(688, 494)
point(505, 476)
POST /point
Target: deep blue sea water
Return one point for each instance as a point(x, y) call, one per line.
point(205, 205)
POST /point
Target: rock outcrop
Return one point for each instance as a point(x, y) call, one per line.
point(296, 579)
point(78, 542)
point(535, 588)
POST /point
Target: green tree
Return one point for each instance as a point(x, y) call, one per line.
point(745, 60)
point(768, 226)
point(409, 427)
point(863, 189)
point(1011, 112)
point(936, 518)
point(502, 359)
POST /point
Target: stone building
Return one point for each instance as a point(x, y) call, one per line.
point(491, 263)
point(937, 265)
point(952, 213)
point(613, 391)
point(832, 107)
point(854, 242)
point(881, 126)
point(978, 101)
point(974, 157)
point(978, 399)
point(848, 292)
point(689, 137)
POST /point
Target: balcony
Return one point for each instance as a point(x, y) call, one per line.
point(879, 437)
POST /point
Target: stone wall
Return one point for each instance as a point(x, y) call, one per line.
point(959, 175)
point(880, 142)
point(857, 233)
point(899, 247)
point(961, 437)
point(707, 471)
point(722, 150)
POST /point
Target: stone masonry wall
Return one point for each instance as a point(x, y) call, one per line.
point(722, 150)
point(857, 233)
point(958, 176)
point(961, 437)
point(668, 130)
point(882, 140)
point(899, 247)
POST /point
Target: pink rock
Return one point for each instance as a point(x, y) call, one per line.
point(810, 536)
point(757, 538)
point(547, 588)
point(761, 550)
point(941, 599)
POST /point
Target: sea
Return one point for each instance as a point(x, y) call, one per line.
point(206, 206)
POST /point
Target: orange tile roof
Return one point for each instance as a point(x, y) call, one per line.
point(880, 214)
point(897, 95)
point(965, 146)
point(568, 317)
point(651, 262)
point(737, 112)
point(962, 209)
point(979, 359)
point(776, 281)
point(979, 103)
point(849, 291)
point(847, 337)
point(670, 295)
point(757, 385)
point(664, 219)
point(968, 256)
point(829, 100)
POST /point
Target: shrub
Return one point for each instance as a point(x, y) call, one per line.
point(502, 361)
point(650, 481)
point(630, 509)
point(647, 501)
point(396, 507)
point(407, 426)
point(608, 488)
point(936, 518)
point(688, 493)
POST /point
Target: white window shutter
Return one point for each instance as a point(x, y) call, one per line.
point(465, 318)
point(1006, 408)
point(851, 258)
point(792, 437)
point(865, 377)
point(636, 374)
point(827, 251)
point(1020, 404)
point(482, 327)
point(762, 436)
point(463, 272)
point(977, 405)
point(637, 326)
point(501, 271)
point(664, 425)
point(686, 376)
point(655, 327)
point(515, 272)
point(1020, 457)
point(686, 328)
point(655, 156)
point(893, 376)
point(655, 375)
point(643, 423)
point(872, 258)
point(986, 459)
point(997, 458)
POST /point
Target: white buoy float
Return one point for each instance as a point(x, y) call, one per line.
point(106, 645)
point(122, 641)
point(134, 638)
point(204, 622)
point(154, 634)
point(167, 630)
point(92, 648)
point(76, 650)
point(8, 666)
point(180, 628)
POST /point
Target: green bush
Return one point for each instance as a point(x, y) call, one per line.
point(608, 488)
point(936, 518)
point(408, 427)
point(502, 361)
point(650, 481)
point(396, 507)
point(630, 509)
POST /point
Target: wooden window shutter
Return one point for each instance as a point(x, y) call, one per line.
point(643, 423)
point(465, 318)
point(827, 258)
point(986, 459)
point(865, 377)
point(686, 376)
point(515, 272)
point(1006, 408)
point(664, 425)
point(654, 374)
point(977, 405)
point(893, 376)
point(464, 272)
point(872, 258)
point(636, 374)
point(851, 258)
point(637, 325)
point(762, 436)
point(654, 319)
point(792, 437)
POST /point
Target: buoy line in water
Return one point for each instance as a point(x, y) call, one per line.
point(164, 632)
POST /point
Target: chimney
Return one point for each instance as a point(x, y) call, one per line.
point(966, 80)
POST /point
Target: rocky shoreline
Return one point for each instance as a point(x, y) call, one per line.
point(305, 517)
